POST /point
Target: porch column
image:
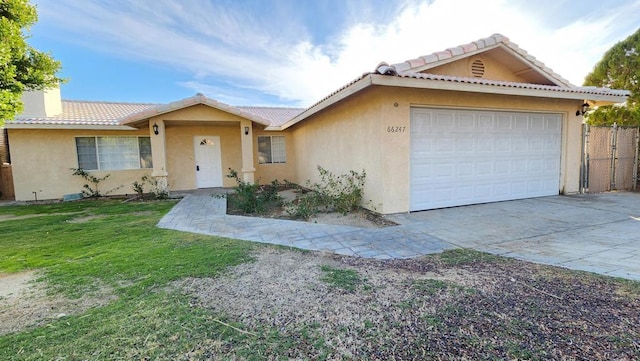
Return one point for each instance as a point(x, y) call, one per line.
point(158, 152)
point(247, 150)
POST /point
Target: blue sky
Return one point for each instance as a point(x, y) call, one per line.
point(295, 52)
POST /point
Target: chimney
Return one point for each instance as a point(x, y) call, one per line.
point(41, 103)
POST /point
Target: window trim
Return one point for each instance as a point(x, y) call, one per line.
point(97, 152)
point(284, 141)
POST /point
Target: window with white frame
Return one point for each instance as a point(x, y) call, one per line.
point(271, 149)
point(114, 153)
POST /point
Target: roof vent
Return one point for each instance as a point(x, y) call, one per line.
point(477, 68)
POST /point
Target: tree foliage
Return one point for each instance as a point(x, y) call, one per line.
point(619, 68)
point(625, 116)
point(22, 67)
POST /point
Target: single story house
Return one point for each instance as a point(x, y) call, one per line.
point(481, 122)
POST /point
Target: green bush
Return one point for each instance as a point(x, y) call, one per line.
point(341, 193)
point(250, 197)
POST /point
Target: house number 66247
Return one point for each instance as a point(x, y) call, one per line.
point(395, 129)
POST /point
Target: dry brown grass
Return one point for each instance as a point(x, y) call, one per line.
point(462, 305)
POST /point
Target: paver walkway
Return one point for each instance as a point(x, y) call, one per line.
point(597, 233)
point(207, 215)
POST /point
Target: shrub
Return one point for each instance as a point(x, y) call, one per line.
point(91, 189)
point(138, 187)
point(341, 193)
point(156, 192)
point(250, 197)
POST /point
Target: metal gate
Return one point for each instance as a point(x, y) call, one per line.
point(610, 158)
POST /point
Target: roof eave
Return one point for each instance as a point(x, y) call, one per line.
point(539, 67)
point(493, 89)
point(12, 125)
point(342, 94)
point(145, 115)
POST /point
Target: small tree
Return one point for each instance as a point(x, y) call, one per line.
point(22, 67)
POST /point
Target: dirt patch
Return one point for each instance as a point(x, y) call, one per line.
point(283, 287)
point(91, 217)
point(423, 308)
point(11, 217)
point(24, 302)
point(13, 285)
point(357, 218)
point(86, 218)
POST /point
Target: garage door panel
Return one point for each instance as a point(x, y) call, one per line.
point(467, 157)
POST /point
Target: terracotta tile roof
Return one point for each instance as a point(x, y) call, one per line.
point(275, 115)
point(432, 60)
point(76, 112)
point(384, 70)
point(263, 115)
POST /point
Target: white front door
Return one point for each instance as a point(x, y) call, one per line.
point(208, 161)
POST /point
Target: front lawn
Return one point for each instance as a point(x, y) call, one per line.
point(82, 248)
point(131, 291)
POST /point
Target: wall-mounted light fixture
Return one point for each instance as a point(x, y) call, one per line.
point(583, 109)
point(246, 130)
point(155, 128)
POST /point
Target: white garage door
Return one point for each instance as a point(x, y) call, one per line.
point(461, 157)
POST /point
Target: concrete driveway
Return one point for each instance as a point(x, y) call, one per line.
point(598, 233)
point(594, 232)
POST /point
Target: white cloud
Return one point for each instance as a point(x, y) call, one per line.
point(277, 56)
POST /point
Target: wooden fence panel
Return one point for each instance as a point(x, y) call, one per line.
point(625, 158)
point(599, 150)
point(611, 158)
point(6, 182)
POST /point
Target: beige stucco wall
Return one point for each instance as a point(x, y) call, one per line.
point(353, 135)
point(42, 159)
point(346, 137)
point(200, 120)
point(181, 164)
point(181, 126)
point(494, 70)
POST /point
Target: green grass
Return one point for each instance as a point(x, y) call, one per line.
point(346, 279)
point(83, 246)
point(432, 287)
point(457, 257)
point(120, 248)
